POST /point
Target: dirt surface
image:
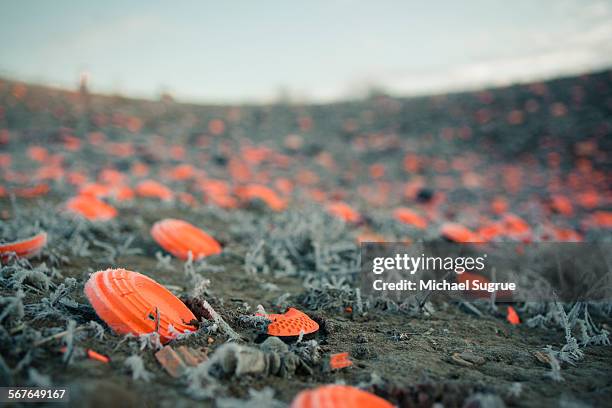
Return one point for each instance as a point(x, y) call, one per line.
point(450, 353)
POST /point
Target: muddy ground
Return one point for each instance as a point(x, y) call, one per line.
point(403, 356)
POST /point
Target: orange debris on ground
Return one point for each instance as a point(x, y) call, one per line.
point(343, 211)
point(24, 248)
point(91, 208)
point(130, 302)
point(180, 238)
point(175, 362)
point(339, 360)
point(408, 216)
point(291, 323)
point(458, 233)
point(154, 189)
point(253, 192)
point(512, 316)
point(338, 396)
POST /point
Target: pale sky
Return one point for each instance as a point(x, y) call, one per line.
point(317, 50)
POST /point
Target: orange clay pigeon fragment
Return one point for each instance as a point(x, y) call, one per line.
point(253, 192)
point(338, 396)
point(95, 190)
point(130, 302)
point(291, 323)
point(512, 316)
point(458, 233)
point(180, 237)
point(25, 248)
point(33, 191)
point(515, 225)
point(562, 205)
point(91, 208)
point(409, 217)
point(92, 355)
point(153, 189)
point(601, 219)
point(491, 231)
point(343, 211)
point(339, 360)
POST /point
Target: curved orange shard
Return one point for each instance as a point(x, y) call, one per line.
point(33, 191)
point(458, 233)
point(91, 208)
point(180, 237)
point(260, 192)
point(339, 360)
point(512, 316)
point(342, 210)
point(338, 396)
point(291, 323)
point(562, 205)
point(24, 248)
point(130, 302)
point(407, 216)
point(515, 225)
point(154, 189)
point(601, 219)
point(96, 190)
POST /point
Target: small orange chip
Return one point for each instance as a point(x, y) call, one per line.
point(339, 360)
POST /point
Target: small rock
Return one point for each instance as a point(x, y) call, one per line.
point(456, 358)
point(472, 358)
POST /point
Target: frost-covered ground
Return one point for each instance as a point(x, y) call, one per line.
point(540, 152)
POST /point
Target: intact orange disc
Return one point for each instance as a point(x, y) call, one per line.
point(24, 248)
point(130, 302)
point(338, 396)
point(154, 189)
point(91, 208)
point(179, 237)
point(291, 323)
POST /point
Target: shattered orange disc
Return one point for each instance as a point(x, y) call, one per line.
point(24, 248)
point(343, 211)
point(180, 237)
point(458, 233)
point(91, 208)
point(407, 216)
point(130, 302)
point(338, 396)
point(291, 323)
